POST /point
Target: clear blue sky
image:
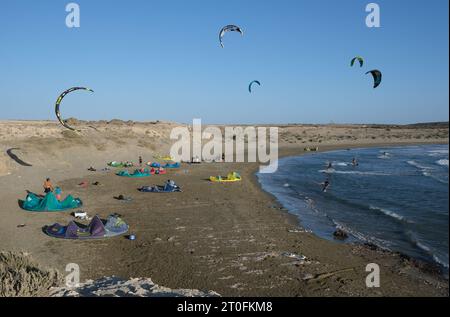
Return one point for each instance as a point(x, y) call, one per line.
point(149, 60)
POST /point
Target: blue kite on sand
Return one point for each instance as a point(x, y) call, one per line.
point(169, 187)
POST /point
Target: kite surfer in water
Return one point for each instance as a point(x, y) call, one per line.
point(325, 185)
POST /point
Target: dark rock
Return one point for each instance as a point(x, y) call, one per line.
point(372, 246)
point(340, 234)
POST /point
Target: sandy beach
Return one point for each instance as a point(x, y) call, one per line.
point(232, 239)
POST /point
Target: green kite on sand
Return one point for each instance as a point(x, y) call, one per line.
point(120, 164)
point(49, 202)
point(137, 173)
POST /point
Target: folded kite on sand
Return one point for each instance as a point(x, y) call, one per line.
point(120, 164)
point(154, 164)
point(37, 203)
point(136, 173)
point(97, 229)
point(169, 187)
point(172, 165)
point(163, 158)
point(231, 177)
point(158, 171)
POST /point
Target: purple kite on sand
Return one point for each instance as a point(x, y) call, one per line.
point(97, 229)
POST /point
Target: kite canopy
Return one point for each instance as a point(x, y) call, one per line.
point(228, 28)
point(231, 177)
point(136, 173)
point(120, 164)
point(97, 229)
point(251, 84)
point(172, 165)
point(169, 187)
point(49, 203)
point(58, 103)
point(376, 74)
point(359, 59)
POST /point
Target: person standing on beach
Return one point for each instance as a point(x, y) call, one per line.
point(48, 187)
point(140, 161)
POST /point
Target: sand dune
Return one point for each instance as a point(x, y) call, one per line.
point(46, 143)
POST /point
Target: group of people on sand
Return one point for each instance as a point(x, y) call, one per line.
point(49, 188)
point(327, 183)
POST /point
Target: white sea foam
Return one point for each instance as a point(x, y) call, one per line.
point(428, 171)
point(427, 250)
point(440, 261)
point(423, 246)
point(390, 213)
point(333, 171)
point(328, 170)
point(443, 162)
point(383, 244)
point(384, 155)
point(425, 170)
point(439, 151)
point(419, 166)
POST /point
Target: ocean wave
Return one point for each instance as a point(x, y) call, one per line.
point(383, 244)
point(384, 155)
point(418, 165)
point(328, 171)
point(423, 246)
point(425, 170)
point(333, 171)
point(390, 213)
point(440, 261)
point(439, 151)
point(443, 162)
point(428, 171)
point(428, 250)
point(341, 164)
point(436, 178)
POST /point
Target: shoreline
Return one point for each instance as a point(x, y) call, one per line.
point(427, 266)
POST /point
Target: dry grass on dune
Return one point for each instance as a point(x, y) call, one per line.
point(21, 276)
